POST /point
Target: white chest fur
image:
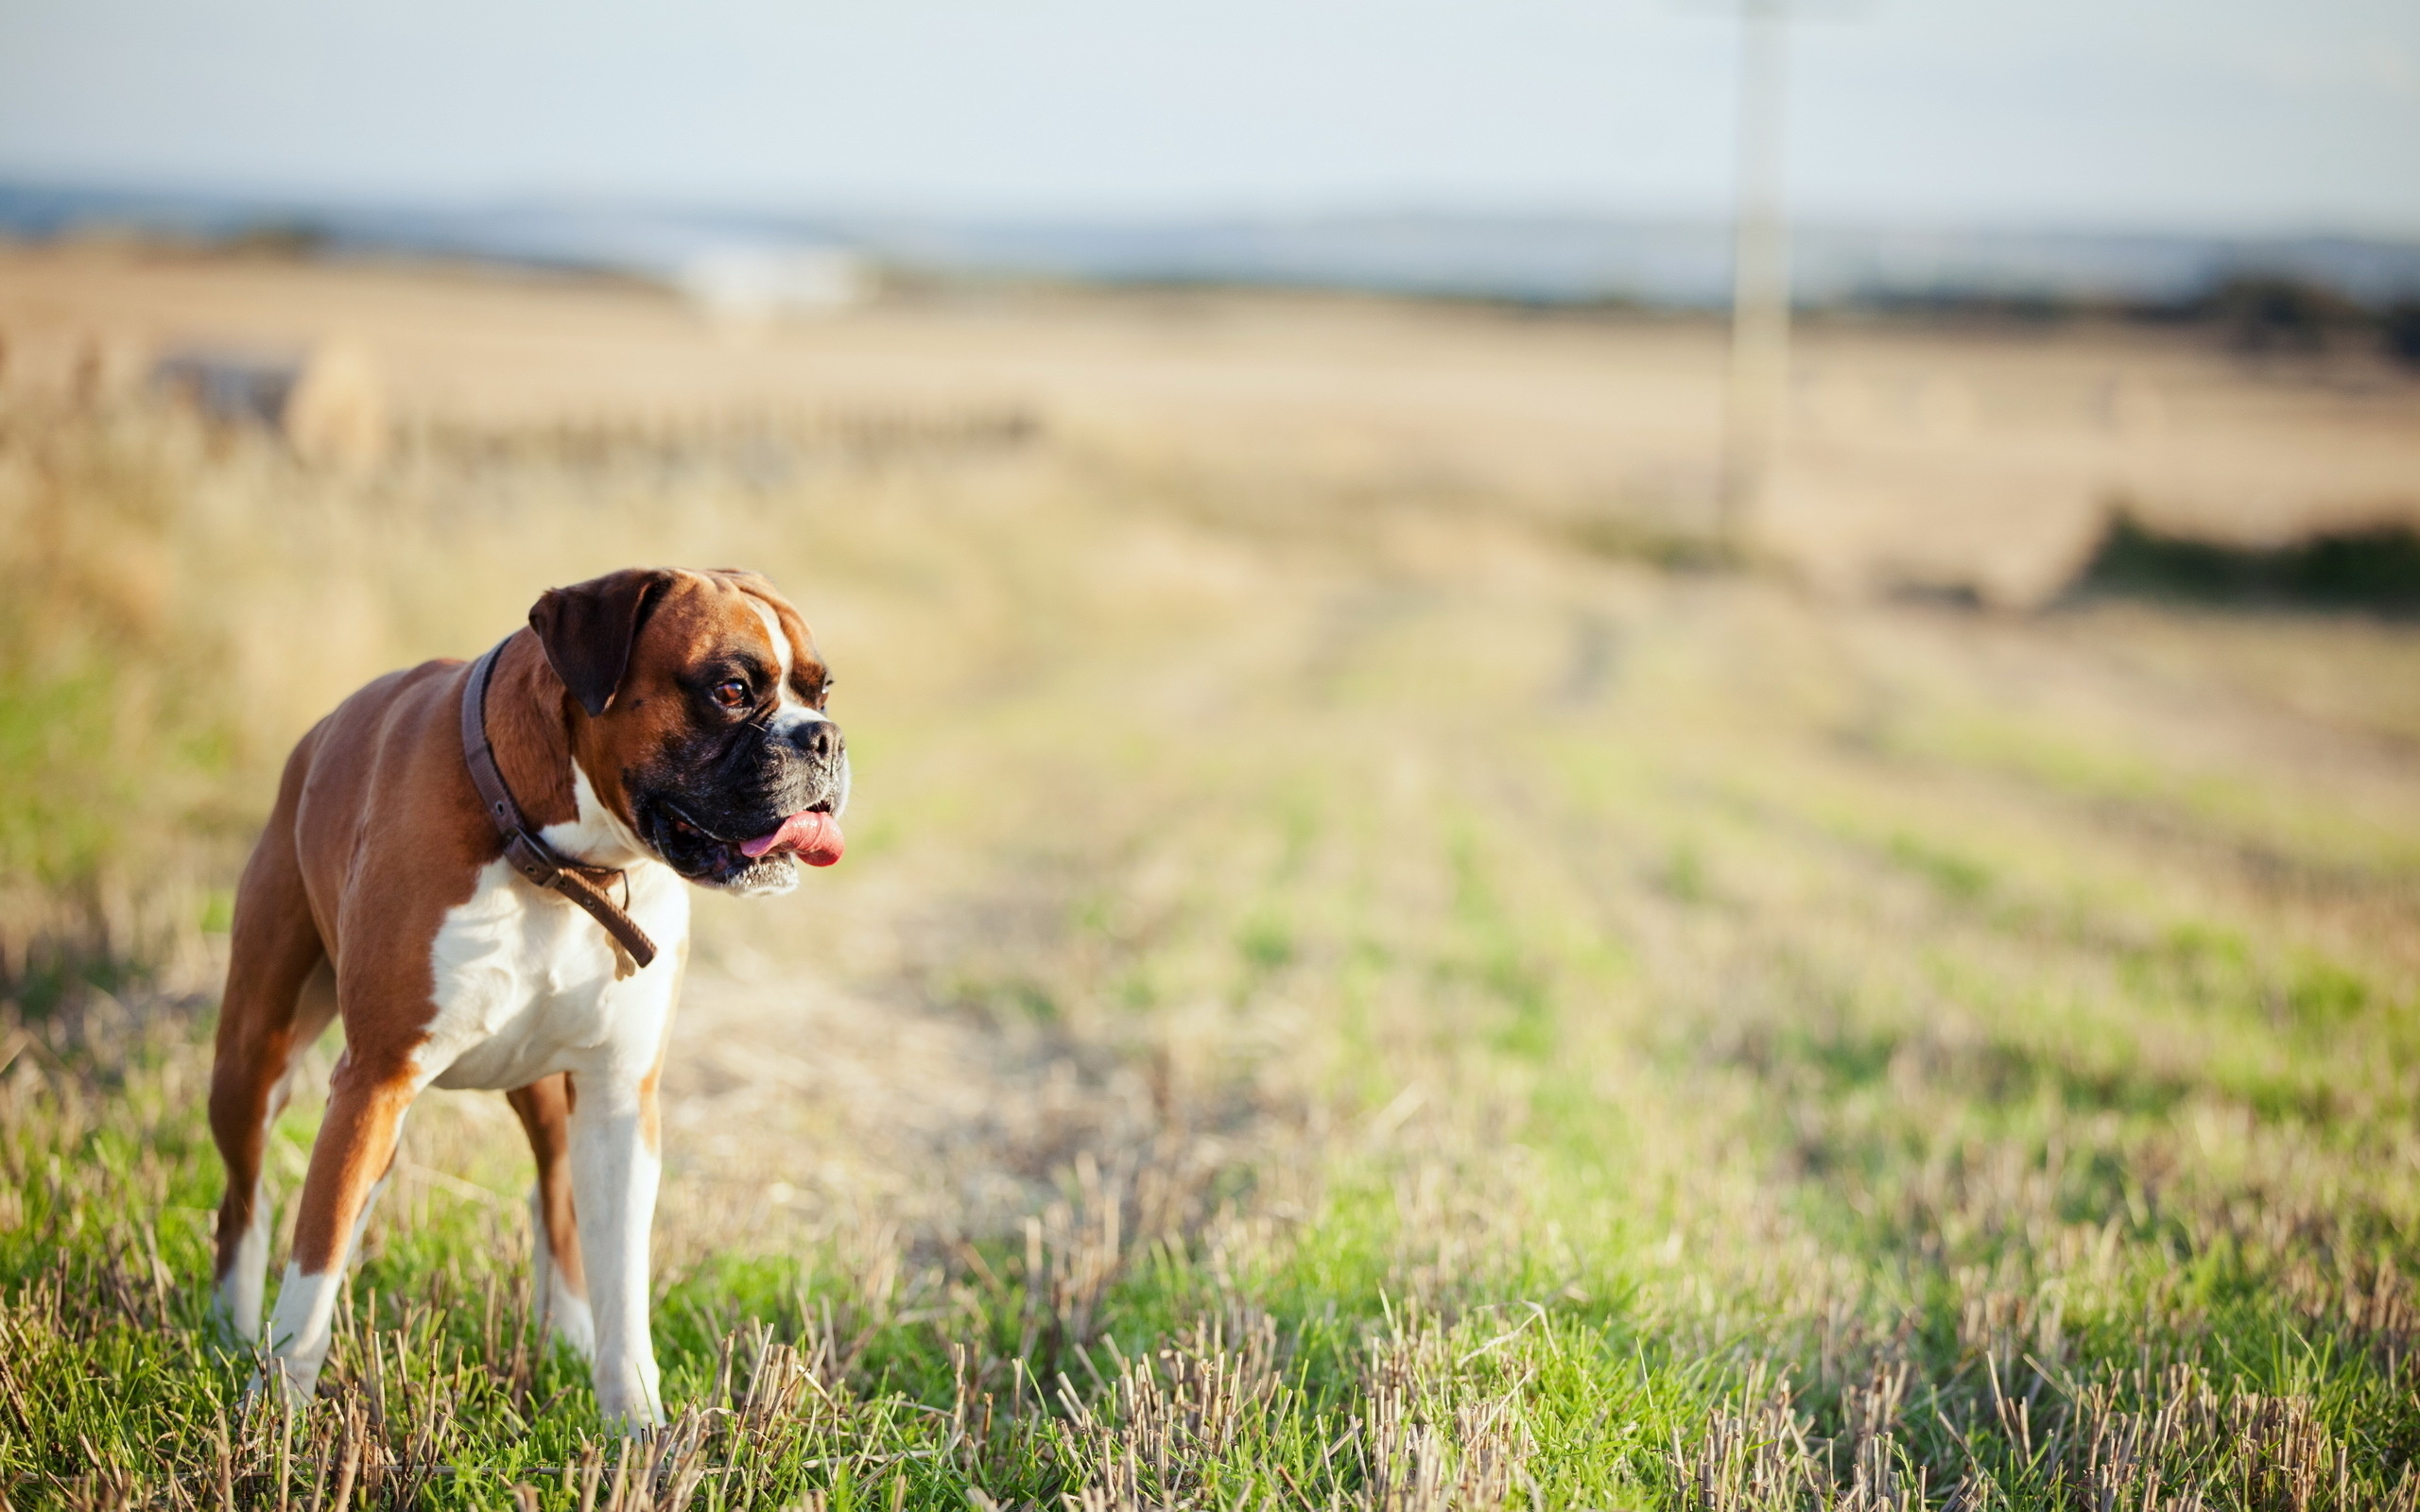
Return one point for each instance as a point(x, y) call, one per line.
point(524, 980)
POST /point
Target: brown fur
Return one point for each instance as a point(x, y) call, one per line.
point(376, 832)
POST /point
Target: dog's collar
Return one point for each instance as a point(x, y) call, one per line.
point(529, 855)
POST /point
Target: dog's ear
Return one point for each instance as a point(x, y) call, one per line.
point(589, 627)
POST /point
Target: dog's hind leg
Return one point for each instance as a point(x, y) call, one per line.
point(270, 1012)
point(559, 1288)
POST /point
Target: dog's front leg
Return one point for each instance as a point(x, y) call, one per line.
point(366, 1099)
point(614, 1166)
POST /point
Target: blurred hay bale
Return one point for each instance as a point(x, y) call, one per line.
point(330, 406)
point(226, 387)
point(335, 414)
point(1933, 528)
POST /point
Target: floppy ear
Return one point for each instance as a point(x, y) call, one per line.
point(588, 630)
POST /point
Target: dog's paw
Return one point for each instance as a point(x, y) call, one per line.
point(628, 1399)
point(277, 1381)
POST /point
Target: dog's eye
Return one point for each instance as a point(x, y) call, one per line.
point(731, 693)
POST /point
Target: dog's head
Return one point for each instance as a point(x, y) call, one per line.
point(696, 711)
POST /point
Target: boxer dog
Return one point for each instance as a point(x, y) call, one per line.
point(481, 870)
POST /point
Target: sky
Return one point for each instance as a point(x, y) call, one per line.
point(2244, 115)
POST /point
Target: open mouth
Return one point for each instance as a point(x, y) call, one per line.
point(812, 834)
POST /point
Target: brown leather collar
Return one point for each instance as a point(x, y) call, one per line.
point(530, 856)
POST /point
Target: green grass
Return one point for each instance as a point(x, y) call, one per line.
point(1679, 1096)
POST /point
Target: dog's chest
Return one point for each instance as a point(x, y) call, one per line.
point(525, 982)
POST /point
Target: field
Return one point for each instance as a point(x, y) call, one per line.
point(1363, 977)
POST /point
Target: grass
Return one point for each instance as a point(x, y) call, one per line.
point(1358, 1006)
point(2377, 569)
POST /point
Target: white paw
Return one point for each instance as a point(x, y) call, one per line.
point(299, 1383)
point(226, 1320)
point(570, 1323)
point(632, 1415)
point(628, 1399)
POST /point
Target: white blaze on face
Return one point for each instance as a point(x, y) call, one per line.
point(783, 654)
point(790, 711)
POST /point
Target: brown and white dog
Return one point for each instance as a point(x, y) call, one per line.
point(667, 724)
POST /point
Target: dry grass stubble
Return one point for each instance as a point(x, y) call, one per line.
point(1331, 999)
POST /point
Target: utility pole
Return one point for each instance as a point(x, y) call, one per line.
point(1756, 402)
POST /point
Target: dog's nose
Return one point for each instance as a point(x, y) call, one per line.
point(819, 740)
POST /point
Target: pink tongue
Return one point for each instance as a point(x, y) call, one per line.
point(816, 838)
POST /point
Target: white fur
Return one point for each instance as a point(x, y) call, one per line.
point(598, 837)
point(525, 987)
point(780, 640)
point(613, 1177)
point(304, 1324)
point(790, 711)
point(562, 1312)
point(238, 1299)
point(299, 1336)
point(305, 1320)
point(237, 1303)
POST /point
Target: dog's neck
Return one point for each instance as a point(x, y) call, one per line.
point(529, 720)
point(529, 716)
